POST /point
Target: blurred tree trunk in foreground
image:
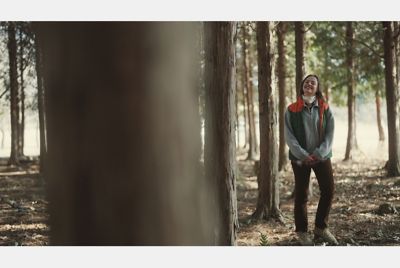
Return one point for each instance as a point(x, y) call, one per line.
point(123, 135)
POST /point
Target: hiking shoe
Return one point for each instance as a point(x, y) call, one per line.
point(305, 239)
point(325, 235)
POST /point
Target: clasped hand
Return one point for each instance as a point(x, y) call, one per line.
point(311, 160)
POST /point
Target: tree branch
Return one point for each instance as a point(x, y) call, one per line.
point(370, 48)
point(312, 23)
point(4, 92)
point(338, 85)
point(251, 26)
point(276, 25)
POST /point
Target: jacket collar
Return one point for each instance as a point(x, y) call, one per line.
point(299, 105)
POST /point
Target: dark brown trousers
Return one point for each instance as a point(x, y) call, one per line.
point(324, 174)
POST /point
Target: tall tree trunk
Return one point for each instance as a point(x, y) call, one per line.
point(249, 96)
point(396, 40)
point(378, 114)
point(268, 181)
point(252, 61)
point(123, 135)
point(237, 94)
point(281, 65)
point(12, 53)
point(299, 45)
point(396, 33)
point(392, 95)
point(21, 123)
point(351, 94)
point(41, 103)
point(245, 112)
point(220, 155)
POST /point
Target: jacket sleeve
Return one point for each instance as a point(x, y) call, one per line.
point(326, 146)
point(291, 140)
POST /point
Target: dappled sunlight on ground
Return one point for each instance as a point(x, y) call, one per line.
point(23, 217)
point(361, 187)
point(358, 215)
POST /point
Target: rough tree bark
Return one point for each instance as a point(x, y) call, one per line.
point(123, 135)
point(251, 154)
point(12, 53)
point(396, 40)
point(392, 95)
point(351, 144)
point(281, 70)
point(396, 37)
point(268, 180)
point(219, 152)
point(299, 47)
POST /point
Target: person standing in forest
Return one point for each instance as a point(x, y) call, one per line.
point(309, 128)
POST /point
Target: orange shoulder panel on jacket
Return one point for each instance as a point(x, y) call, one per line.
point(297, 106)
point(323, 104)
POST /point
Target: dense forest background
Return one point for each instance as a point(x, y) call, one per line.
point(171, 133)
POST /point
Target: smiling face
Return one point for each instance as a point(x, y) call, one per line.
point(310, 86)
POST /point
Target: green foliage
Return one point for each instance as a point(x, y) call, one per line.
point(263, 240)
point(325, 55)
point(370, 58)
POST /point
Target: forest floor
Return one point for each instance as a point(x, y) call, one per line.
point(356, 217)
point(23, 208)
point(365, 210)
